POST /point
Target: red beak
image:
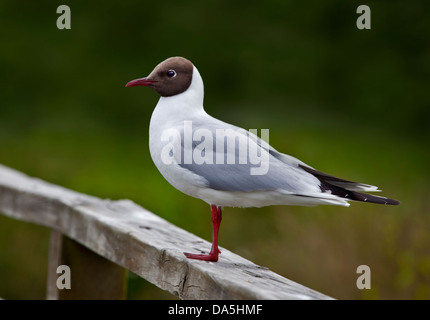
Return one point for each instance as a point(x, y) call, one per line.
point(140, 82)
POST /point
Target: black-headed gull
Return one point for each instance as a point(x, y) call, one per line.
point(225, 165)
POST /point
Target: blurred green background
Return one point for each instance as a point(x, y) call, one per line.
point(352, 103)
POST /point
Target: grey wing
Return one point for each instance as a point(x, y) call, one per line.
point(228, 177)
point(262, 172)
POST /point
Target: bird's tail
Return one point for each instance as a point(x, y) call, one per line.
point(355, 195)
point(349, 190)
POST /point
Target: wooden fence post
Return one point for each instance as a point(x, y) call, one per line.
point(91, 275)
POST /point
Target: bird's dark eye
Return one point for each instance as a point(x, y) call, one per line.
point(171, 73)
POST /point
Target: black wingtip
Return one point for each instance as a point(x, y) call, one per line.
point(392, 202)
point(357, 196)
point(329, 184)
point(377, 200)
point(363, 197)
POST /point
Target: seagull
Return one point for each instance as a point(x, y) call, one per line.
point(227, 166)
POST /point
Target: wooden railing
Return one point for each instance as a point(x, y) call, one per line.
point(98, 239)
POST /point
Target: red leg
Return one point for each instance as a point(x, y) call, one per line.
point(213, 254)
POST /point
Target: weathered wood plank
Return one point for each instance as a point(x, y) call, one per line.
point(142, 242)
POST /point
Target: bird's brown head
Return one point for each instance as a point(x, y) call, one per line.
point(171, 77)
